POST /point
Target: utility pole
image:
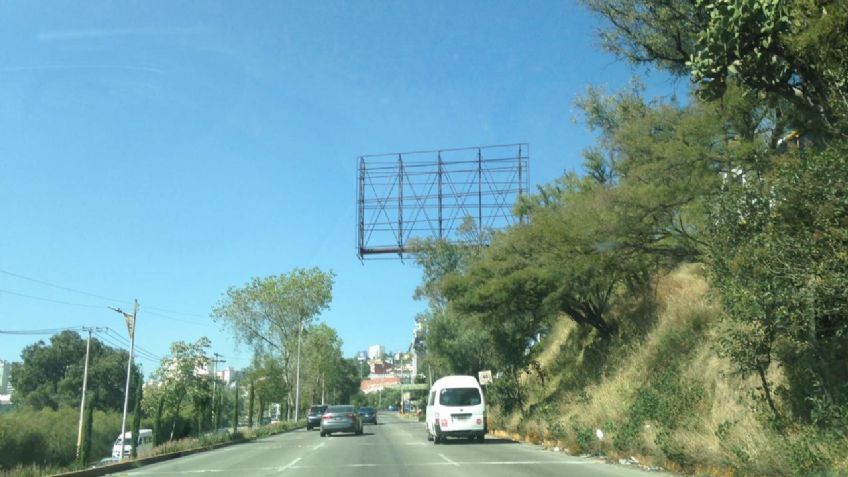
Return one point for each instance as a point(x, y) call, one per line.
point(84, 386)
point(130, 320)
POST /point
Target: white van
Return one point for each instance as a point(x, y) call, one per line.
point(456, 408)
point(145, 443)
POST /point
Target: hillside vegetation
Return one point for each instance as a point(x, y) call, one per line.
point(683, 295)
point(668, 399)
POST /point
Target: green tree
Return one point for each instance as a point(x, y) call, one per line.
point(236, 409)
point(452, 343)
point(322, 353)
point(272, 312)
point(782, 51)
point(178, 375)
point(157, 422)
point(456, 343)
point(792, 50)
point(136, 422)
point(88, 426)
point(661, 33)
point(251, 403)
point(50, 375)
point(780, 265)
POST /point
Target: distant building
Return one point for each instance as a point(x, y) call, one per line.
point(228, 375)
point(5, 367)
point(376, 351)
point(378, 368)
point(378, 384)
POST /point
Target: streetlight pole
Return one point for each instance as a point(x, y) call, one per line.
point(297, 377)
point(130, 319)
point(215, 362)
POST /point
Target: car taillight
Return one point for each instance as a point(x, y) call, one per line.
point(350, 416)
point(325, 417)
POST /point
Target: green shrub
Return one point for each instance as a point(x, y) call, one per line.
point(49, 437)
point(584, 438)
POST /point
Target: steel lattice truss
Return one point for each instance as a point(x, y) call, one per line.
point(429, 194)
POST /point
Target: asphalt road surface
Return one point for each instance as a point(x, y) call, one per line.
point(395, 447)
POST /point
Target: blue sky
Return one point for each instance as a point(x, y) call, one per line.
point(166, 151)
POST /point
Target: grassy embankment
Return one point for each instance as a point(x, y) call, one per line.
point(40, 443)
point(661, 393)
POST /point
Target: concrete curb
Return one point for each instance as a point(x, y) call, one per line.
point(122, 466)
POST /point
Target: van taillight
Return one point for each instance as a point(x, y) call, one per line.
point(444, 423)
point(479, 421)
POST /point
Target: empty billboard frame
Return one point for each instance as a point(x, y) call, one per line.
point(428, 194)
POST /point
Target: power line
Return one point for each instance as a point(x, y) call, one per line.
point(60, 287)
point(115, 344)
point(149, 309)
point(137, 347)
point(50, 331)
point(40, 298)
point(106, 334)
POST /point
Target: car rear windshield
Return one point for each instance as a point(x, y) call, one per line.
point(316, 410)
point(460, 397)
point(366, 409)
point(334, 409)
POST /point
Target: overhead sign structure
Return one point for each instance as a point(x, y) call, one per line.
point(428, 194)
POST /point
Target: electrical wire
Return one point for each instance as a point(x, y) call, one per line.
point(50, 300)
point(152, 310)
point(50, 331)
point(60, 287)
point(137, 352)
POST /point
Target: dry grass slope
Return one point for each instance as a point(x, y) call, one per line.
point(661, 393)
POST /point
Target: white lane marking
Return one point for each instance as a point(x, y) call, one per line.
point(318, 446)
point(448, 460)
point(199, 471)
point(293, 466)
point(529, 462)
point(289, 466)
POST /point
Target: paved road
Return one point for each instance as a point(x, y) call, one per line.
point(395, 447)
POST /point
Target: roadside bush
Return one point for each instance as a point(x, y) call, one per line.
point(49, 437)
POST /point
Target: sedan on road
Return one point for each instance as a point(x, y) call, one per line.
point(368, 414)
point(313, 419)
point(344, 418)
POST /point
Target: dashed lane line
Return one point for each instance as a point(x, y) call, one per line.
point(448, 460)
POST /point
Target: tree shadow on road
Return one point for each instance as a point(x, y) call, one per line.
point(487, 441)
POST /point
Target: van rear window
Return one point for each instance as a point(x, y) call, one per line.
point(460, 397)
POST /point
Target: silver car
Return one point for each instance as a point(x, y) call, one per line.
point(343, 418)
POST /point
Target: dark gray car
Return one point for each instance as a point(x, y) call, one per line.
point(344, 418)
point(368, 414)
point(313, 419)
